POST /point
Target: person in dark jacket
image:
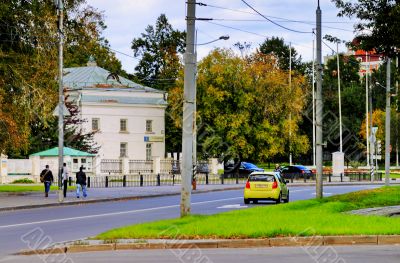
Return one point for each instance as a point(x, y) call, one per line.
point(46, 176)
point(80, 182)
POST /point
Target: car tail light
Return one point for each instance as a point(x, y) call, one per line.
point(302, 171)
point(247, 185)
point(275, 185)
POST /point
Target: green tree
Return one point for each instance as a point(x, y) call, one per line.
point(28, 63)
point(243, 107)
point(276, 46)
point(46, 136)
point(379, 23)
point(84, 28)
point(158, 49)
point(353, 105)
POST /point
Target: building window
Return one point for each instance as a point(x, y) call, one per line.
point(148, 151)
point(149, 125)
point(123, 127)
point(123, 149)
point(95, 124)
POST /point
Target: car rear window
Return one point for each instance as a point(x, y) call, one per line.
point(261, 178)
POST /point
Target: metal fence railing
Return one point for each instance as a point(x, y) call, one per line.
point(140, 166)
point(165, 179)
point(170, 166)
point(111, 166)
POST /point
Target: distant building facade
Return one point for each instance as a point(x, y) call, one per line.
point(128, 118)
point(369, 61)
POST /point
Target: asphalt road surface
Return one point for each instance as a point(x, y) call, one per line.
point(59, 224)
point(332, 254)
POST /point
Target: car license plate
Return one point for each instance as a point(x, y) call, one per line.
point(261, 186)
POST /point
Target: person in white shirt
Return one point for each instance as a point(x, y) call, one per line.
point(65, 175)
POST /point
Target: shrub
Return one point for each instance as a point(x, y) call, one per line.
point(23, 181)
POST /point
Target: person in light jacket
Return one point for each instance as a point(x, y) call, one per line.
point(81, 182)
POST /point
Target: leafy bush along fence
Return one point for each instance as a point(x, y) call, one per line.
point(148, 179)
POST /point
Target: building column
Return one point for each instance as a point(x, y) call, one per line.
point(3, 168)
point(125, 166)
point(156, 165)
point(35, 168)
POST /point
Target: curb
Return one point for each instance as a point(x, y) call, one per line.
point(311, 241)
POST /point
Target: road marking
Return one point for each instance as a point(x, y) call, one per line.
point(294, 191)
point(323, 193)
point(114, 213)
point(236, 206)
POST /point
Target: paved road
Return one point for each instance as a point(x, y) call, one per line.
point(336, 254)
point(80, 221)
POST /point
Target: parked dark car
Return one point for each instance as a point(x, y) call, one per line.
point(296, 171)
point(244, 168)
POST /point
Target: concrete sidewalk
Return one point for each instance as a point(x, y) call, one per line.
point(28, 200)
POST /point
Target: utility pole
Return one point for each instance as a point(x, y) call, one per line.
point(366, 106)
point(290, 113)
point(319, 190)
point(60, 9)
point(188, 109)
point(340, 98)
point(387, 125)
point(313, 97)
point(397, 117)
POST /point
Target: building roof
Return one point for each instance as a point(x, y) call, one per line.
point(67, 152)
point(122, 100)
point(93, 76)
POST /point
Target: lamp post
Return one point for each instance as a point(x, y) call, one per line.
point(224, 37)
point(387, 123)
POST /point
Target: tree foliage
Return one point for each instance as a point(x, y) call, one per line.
point(379, 23)
point(28, 63)
point(353, 104)
point(46, 136)
point(243, 107)
point(159, 48)
point(276, 46)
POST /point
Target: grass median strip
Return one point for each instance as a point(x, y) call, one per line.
point(301, 218)
point(27, 188)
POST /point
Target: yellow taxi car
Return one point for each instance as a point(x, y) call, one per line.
point(266, 186)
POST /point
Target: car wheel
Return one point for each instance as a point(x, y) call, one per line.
point(255, 201)
point(287, 198)
point(246, 201)
point(279, 200)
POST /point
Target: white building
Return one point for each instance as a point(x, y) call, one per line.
point(128, 117)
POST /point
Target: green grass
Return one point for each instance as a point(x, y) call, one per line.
point(27, 188)
point(304, 218)
point(394, 175)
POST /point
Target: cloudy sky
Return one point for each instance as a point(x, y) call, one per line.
point(126, 20)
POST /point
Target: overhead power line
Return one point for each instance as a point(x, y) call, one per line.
point(253, 33)
point(273, 22)
point(282, 19)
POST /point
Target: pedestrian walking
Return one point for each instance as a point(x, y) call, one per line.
point(65, 175)
point(46, 177)
point(80, 182)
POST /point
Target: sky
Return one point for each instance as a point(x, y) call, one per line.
point(126, 20)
